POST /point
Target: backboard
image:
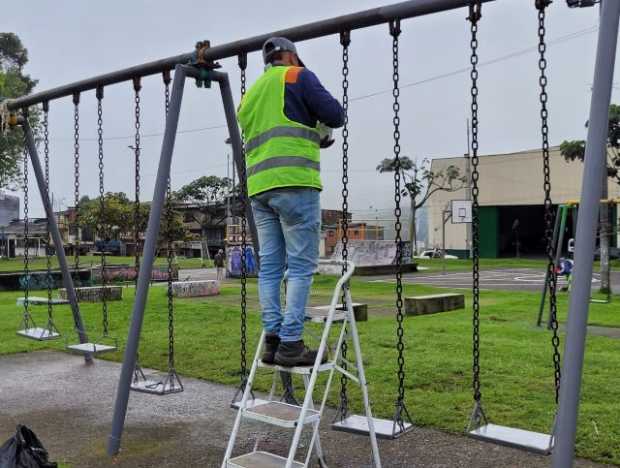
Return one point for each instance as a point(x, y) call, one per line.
point(461, 211)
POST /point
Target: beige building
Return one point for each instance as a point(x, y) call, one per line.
point(511, 200)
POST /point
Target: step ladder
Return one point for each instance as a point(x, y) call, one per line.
point(297, 418)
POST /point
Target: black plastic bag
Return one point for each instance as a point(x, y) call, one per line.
point(24, 450)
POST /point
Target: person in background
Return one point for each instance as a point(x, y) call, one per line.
point(219, 260)
point(565, 268)
point(286, 117)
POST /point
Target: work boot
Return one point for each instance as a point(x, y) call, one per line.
point(295, 353)
point(270, 347)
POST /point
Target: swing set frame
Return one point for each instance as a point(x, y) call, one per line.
point(195, 65)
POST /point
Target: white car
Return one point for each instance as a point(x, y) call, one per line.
point(436, 253)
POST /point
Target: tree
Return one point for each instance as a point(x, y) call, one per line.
point(118, 218)
point(205, 193)
point(576, 150)
point(420, 182)
point(13, 83)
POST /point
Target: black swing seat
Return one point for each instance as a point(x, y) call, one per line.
point(512, 437)
point(35, 300)
point(39, 333)
point(384, 428)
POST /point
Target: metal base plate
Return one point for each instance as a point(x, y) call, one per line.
point(91, 348)
point(512, 437)
point(260, 460)
point(157, 386)
point(384, 428)
point(249, 404)
point(39, 334)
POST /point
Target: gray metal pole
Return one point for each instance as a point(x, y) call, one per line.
point(55, 233)
point(150, 243)
point(594, 166)
point(236, 144)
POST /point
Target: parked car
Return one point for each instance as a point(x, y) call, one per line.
point(436, 253)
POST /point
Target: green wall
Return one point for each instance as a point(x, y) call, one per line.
point(489, 231)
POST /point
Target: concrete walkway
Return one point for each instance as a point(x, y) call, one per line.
point(69, 406)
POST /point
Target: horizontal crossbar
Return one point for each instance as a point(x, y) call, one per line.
point(362, 19)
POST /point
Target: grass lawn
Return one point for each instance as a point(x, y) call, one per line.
point(39, 263)
point(517, 375)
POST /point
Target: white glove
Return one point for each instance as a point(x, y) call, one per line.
point(325, 133)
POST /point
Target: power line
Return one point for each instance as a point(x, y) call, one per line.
point(459, 71)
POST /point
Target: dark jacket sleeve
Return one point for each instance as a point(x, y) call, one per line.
point(319, 101)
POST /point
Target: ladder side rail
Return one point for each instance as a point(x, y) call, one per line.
point(315, 430)
point(316, 443)
point(362, 378)
point(243, 403)
point(338, 348)
point(315, 370)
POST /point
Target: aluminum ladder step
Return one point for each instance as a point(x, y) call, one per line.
point(319, 314)
point(249, 404)
point(260, 460)
point(302, 370)
point(280, 414)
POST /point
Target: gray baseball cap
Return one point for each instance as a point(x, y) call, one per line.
point(278, 44)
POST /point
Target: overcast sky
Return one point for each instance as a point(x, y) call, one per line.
point(69, 40)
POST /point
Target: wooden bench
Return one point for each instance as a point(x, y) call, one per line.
point(95, 293)
point(434, 303)
point(359, 310)
point(197, 288)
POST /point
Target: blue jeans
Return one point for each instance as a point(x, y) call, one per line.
point(289, 224)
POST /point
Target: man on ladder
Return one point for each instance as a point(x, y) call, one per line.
point(286, 117)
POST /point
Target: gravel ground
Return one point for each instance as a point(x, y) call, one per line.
point(69, 405)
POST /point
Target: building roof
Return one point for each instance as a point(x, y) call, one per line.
point(36, 227)
point(522, 153)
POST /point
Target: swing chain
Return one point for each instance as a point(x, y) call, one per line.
point(548, 203)
point(474, 16)
point(27, 317)
point(345, 41)
point(169, 245)
point(242, 59)
point(102, 230)
point(137, 86)
point(400, 346)
point(48, 258)
point(76, 180)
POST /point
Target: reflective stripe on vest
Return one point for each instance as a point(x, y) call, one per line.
point(279, 152)
point(283, 161)
point(282, 131)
